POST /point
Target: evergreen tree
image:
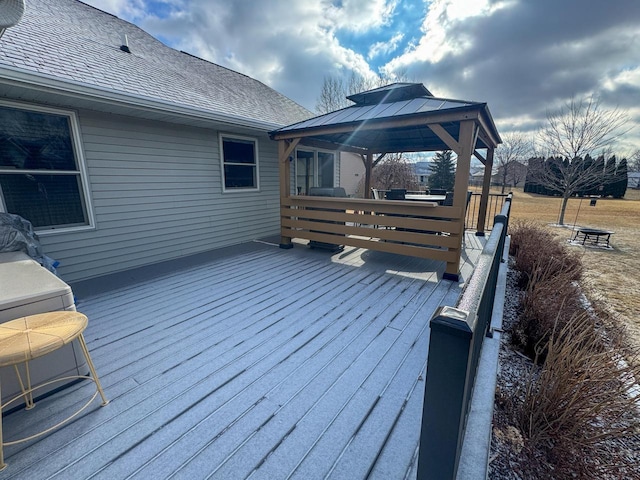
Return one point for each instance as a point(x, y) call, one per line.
point(582, 165)
point(609, 177)
point(597, 187)
point(443, 168)
point(555, 165)
point(622, 179)
point(585, 165)
point(530, 184)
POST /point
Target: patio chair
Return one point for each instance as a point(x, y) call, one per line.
point(396, 194)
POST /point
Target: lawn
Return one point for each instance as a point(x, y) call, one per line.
point(612, 277)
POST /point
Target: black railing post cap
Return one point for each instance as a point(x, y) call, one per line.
point(500, 219)
point(451, 318)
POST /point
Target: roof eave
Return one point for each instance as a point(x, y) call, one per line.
point(422, 118)
point(69, 88)
point(489, 126)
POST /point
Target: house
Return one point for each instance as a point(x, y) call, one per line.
point(633, 180)
point(476, 175)
point(351, 173)
point(512, 174)
point(124, 152)
point(422, 170)
point(248, 360)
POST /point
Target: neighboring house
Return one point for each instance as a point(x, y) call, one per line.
point(422, 170)
point(476, 176)
point(633, 180)
point(124, 152)
point(516, 174)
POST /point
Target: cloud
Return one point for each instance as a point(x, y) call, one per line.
point(525, 58)
point(385, 48)
point(126, 9)
point(360, 15)
point(443, 32)
point(521, 57)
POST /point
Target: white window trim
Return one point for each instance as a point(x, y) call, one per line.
point(82, 168)
point(233, 136)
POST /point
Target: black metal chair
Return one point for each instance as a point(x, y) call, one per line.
point(396, 194)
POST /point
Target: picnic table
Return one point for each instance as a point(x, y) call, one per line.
point(593, 236)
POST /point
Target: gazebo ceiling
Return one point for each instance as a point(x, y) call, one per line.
point(394, 118)
point(391, 139)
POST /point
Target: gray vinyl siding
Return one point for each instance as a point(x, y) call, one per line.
point(157, 195)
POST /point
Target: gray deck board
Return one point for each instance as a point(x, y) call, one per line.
point(266, 365)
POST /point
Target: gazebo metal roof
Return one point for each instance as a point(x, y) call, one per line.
point(394, 118)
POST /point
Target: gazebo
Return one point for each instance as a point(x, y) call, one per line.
point(402, 117)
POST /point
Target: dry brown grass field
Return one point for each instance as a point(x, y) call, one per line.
point(612, 277)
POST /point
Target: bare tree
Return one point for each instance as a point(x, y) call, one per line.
point(511, 157)
point(332, 95)
point(392, 171)
point(579, 128)
point(634, 161)
point(335, 89)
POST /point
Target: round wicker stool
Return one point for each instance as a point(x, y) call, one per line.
point(30, 337)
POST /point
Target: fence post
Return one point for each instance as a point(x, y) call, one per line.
point(445, 395)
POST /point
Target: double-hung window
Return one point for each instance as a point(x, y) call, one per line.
point(239, 163)
point(42, 176)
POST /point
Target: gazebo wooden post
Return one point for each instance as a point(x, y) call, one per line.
point(466, 146)
point(285, 150)
point(368, 168)
point(484, 198)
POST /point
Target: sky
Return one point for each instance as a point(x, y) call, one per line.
point(524, 58)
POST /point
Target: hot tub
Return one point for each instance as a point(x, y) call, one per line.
point(26, 288)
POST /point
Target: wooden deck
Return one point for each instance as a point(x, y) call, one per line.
point(261, 363)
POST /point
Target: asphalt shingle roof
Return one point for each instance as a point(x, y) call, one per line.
point(71, 41)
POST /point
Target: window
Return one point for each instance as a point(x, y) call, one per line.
point(239, 162)
point(42, 176)
point(314, 169)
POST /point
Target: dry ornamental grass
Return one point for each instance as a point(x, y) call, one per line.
point(571, 409)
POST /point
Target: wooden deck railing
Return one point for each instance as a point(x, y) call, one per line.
point(455, 344)
point(395, 226)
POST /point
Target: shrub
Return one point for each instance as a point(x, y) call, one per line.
point(533, 247)
point(551, 297)
point(582, 398)
point(579, 400)
point(549, 275)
